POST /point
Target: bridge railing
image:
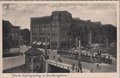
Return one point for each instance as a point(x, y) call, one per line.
point(69, 67)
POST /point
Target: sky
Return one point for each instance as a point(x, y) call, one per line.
point(20, 14)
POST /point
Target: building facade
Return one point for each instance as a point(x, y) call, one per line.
point(61, 30)
point(10, 35)
point(15, 35)
point(54, 28)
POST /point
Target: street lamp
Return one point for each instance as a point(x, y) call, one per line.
point(76, 42)
point(79, 50)
point(45, 48)
point(70, 43)
point(79, 58)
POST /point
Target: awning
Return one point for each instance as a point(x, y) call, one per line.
point(34, 42)
point(44, 43)
point(38, 43)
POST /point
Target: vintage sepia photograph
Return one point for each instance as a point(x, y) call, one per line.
point(59, 37)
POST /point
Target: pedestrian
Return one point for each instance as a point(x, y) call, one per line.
point(97, 65)
point(80, 66)
point(91, 70)
point(73, 67)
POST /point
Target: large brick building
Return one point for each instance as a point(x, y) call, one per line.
point(54, 28)
point(61, 30)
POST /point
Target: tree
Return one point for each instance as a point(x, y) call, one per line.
point(25, 33)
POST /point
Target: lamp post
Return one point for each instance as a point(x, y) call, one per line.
point(70, 43)
point(107, 44)
point(79, 50)
point(45, 48)
point(79, 58)
point(76, 42)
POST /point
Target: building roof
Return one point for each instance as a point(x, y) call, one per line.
point(43, 17)
point(15, 26)
point(6, 22)
point(33, 52)
point(66, 12)
point(41, 20)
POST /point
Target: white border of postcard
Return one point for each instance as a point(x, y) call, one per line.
point(63, 75)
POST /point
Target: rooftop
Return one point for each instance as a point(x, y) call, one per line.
point(15, 26)
point(6, 22)
point(44, 19)
point(33, 52)
point(61, 12)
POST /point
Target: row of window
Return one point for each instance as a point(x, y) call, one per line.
point(42, 25)
point(45, 34)
point(44, 38)
point(46, 25)
point(44, 29)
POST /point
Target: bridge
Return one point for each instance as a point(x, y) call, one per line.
point(62, 66)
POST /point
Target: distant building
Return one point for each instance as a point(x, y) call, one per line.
point(6, 35)
point(54, 28)
point(10, 34)
point(87, 31)
point(15, 34)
